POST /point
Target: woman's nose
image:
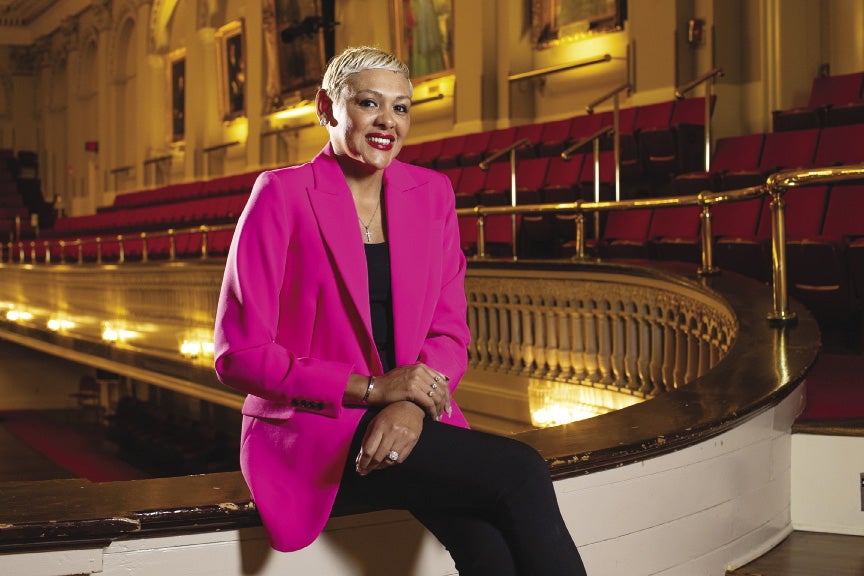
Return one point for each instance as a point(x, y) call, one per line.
point(386, 119)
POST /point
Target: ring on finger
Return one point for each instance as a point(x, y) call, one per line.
point(430, 393)
point(434, 385)
point(437, 379)
point(393, 456)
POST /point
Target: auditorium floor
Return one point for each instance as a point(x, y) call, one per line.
point(20, 462)
point(810, 554)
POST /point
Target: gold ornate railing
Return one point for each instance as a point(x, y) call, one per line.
point(616, 329)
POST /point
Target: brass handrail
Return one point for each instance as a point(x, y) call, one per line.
point(568, 152)
point(614, 92)
point(80, 242)
point(710, 75)
point(559, 68)
point(523, 143)
point(775, 186)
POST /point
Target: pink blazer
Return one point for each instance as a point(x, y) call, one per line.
point(293, 322)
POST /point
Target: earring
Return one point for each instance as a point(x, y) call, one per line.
point(323, 120)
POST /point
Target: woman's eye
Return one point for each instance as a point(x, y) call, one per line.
point(368, 103)
point(401, 108)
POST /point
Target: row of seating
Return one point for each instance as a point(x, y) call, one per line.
point(213, 210)
point(664, 137)
point(742, 161)
point(834, 101)
point(223, 185)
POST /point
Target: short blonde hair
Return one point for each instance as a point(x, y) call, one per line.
point(357, 59)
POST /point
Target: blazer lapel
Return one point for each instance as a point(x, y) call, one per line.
point(409, 246)
point(337, 220)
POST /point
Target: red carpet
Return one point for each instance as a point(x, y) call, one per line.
point(68, 448)
point(835, 388)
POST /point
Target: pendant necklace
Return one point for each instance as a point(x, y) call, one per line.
point(366, 225)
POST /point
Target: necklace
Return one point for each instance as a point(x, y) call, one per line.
point(366, 225)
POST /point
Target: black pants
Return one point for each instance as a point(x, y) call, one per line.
point(487, 498)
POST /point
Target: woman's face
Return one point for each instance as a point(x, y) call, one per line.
point(370, 122)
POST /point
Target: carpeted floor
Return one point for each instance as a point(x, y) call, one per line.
point(65, 443)
point(835, 388)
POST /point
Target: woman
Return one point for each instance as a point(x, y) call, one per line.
point(343, 317)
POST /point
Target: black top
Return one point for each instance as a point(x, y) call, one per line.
point(381, 302)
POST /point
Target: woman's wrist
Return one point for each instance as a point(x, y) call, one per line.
point(360, 391)
point(370, 386)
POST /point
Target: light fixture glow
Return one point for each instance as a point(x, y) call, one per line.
point(302, 109)
point(18, 315)
point(60, 324)
point(196, 349)
point(115, 335)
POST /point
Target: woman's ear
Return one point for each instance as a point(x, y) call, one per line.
point(324, 108)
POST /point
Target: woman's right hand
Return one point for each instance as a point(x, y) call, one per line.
point(417, 383)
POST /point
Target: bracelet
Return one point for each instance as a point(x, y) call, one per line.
point(369, 389)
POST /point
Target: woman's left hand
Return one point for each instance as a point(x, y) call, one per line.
point(390, 437)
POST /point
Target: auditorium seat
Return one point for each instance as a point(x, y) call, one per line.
point(826, 92)
point(475, 148)
point(554, 137)
point(731, 154)
point(451, 151)
point(533, 133)
point(805, 208)
point(656, 140)
point(429, 152)
point(625, 234)
point(562, 185)
point(840, 145)
point(793, 149)
point(410, 153)
point(740, 242)
point(499, 140)
point(674, 234)
point(819, 271)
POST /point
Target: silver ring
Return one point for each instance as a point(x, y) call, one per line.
point(430, 393)
point(393, 456)
point(434, 386)
point(437, 379)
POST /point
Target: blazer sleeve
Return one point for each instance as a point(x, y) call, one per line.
point(446, 345)
point(248, 356)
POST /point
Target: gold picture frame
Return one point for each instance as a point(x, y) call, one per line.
point(300, 47)
point(231, 51)
point(423, 36)
point(556, 21)
point(175, 81)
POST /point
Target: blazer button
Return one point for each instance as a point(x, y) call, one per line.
point(294, 402)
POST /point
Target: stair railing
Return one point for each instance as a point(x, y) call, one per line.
point(615, 95)
point(484, 165)
point(711, 75)
point(594, 139)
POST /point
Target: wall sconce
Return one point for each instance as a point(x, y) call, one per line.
point(695, 29)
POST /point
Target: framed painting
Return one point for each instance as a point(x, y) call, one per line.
point(301, 55)
point(554, 21)
point(231, 44)
point(176, 82)
point(423, 35)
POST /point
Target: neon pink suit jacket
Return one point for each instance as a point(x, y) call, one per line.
point(293, 323)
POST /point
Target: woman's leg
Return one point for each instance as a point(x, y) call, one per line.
point(503, 484)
